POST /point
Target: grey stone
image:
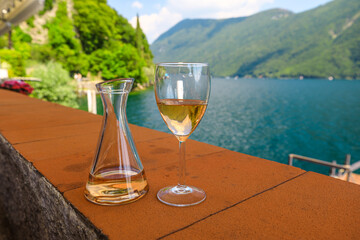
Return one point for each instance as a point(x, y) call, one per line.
point(33, 207)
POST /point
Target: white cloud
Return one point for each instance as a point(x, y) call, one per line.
point(137, 4)
point(217, 8)
point(155, 24)
point(175, 10)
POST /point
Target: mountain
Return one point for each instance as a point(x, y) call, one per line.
point(321, 42)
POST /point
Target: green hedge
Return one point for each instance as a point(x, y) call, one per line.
point(15, 59)
point(55, 86)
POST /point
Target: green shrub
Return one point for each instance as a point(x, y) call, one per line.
point(21, 42)
point(30, 22)
point(41, 53)
point(15, 59)
point(55, 86)
point(19, 35)
point(48, 5)
point(3, 41)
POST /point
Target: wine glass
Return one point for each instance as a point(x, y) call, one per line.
point(182, 92)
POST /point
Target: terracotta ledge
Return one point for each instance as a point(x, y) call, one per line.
point(46, 151)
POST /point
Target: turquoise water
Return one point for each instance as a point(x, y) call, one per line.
point(271, 118)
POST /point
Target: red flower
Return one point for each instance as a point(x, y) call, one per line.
point(17, 86)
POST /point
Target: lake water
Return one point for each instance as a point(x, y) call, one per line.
point(271, 118)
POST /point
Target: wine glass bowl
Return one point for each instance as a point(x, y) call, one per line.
point(182, 92)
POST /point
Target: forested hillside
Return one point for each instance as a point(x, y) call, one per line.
point(86, 37)
point(321, 42)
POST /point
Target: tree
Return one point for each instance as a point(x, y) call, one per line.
point(15, 59)
point(95, 23)
point(142, 44)
point(55, 85)
point(124, 62)
point(63, 41)
point(139, 40)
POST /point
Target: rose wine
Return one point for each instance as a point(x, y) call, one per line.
point(182, 115)
point(112, 185)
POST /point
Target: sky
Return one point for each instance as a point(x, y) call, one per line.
point(158, 16)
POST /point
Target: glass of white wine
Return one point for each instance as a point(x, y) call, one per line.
point(182, 92)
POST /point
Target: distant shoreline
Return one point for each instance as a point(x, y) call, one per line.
point(285, 78)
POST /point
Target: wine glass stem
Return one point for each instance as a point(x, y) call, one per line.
point(182, 168)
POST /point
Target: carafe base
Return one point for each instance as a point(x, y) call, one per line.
point(116, 187)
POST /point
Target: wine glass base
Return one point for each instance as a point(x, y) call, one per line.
point(181, 195)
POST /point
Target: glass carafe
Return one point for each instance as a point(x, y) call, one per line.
point(117, 175)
